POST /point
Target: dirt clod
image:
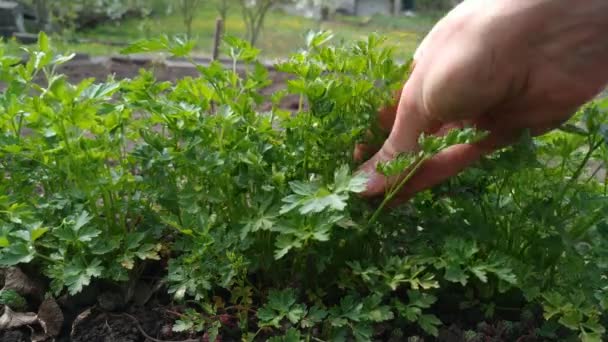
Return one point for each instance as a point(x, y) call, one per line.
point(14, 336)
point(111, 301)
point(95, 325)
point(50, 317)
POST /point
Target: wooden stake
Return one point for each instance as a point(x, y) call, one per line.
point(217, 39)
point(219, 24)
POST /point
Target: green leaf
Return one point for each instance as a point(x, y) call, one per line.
point(62, 59)
point(17, 253)
point(456, 274)
point(183, 325)
point(282, 300)
point(100, 91)
point(88, 233)
point(280, 305)
point(344, 181)
point(571, 319)
point(43, 42)
point(133, 240)
point(315, 39)
point(292, 335)
point(77, 229)
point(480, 273)
point(78, 274)
point(590, 336)
point(213, 331)
point(269, 317)
point(13, 300)
point(420, 299)
point(374, 311)
point(430, 324)
point(433, 144)
point(177, 46)
point(147, 45)
point(296, 313)
point(240, 49)
point(81, 220)
point(181, 47)
point(284, 244)
point(311, 198)
point(380, 314)
point(37, 233)
point(362, 332)
point(315, 316)
point(592, 330)
point(411, 313)
point(104, 246)
point(397, 165)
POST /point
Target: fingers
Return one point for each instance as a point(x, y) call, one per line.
point(455, 159)
point(409, 124)
point(443, 166)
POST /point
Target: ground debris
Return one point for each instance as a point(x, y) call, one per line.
point(50, 318)
point(13, 320)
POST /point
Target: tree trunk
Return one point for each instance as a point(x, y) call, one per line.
point(324, 13)
point(43, 15)
point(254, 18)
point(223, 11)
point(217, 38)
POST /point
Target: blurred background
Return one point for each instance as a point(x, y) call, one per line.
point(277, 27)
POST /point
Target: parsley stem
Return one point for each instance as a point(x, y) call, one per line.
point(393, 192)
point(579, 171)
point(44, 257)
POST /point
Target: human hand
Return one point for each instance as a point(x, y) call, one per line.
point(503, 66)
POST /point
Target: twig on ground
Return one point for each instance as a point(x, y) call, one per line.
point(143, 332)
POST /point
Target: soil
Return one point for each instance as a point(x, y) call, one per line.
point(100, 326)
point(14, 336)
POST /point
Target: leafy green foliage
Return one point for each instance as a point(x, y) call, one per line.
point(413, 311)
point(281, 305)
point(13, 300)
point(356, 315)
point(195, 322)
point(73, 14)
point(100, 177)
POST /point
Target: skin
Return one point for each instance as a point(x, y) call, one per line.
point(502, 66)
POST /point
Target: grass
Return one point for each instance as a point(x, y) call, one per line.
point(282, 34)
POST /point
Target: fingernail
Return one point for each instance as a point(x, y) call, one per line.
point(375, 183)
